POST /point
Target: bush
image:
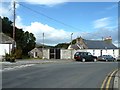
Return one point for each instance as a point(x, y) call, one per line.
point(10, 58)
point(7, 57)
point(18, 53)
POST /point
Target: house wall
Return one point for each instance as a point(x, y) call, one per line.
point(97, 52)
point(5, 48)
point(66, 53)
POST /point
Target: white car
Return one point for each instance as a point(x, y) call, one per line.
point(118, 58)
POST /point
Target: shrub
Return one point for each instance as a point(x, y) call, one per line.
point(18, 53)
point(10, 58)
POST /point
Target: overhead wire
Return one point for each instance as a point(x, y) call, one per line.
point(49, 17)
point(67, 25)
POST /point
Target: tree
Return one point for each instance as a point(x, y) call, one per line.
point(62, 45)
point(29, 42)
point(7, 26)
point(25, 41)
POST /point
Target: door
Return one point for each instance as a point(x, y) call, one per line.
point(54, 53)
point(57, 53)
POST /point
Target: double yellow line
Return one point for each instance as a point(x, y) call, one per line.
point(106, 83)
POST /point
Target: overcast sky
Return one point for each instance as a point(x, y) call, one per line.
point(91, 20)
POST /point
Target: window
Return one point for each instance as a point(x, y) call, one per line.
point(89, 53)
point(113, 51)
point(101, 52)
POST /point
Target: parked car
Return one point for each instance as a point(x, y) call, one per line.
point(118, 58)
point(84, 56)
point(106, 58)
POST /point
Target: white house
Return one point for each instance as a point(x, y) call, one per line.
point(6, 43)
point(96, 47)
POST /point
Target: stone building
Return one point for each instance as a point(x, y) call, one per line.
point(36, 53)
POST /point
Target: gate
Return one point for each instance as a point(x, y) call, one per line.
point(54, 53)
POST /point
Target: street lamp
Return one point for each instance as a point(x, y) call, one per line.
point(43, 40)
point(71, 45)
point(71, 38)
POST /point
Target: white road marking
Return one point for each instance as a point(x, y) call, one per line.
point(16, 67)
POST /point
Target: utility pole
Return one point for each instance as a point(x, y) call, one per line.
point(43, 46)
point(14, 26)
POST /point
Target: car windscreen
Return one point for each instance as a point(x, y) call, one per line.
point(77, 53)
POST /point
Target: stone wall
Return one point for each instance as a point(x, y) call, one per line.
point(32, 53)
point(67, 54)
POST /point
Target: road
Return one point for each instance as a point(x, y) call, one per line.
point(60, 75)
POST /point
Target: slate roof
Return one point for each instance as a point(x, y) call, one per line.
point(92, 44)
point(95, 44)
point(4, 39)
point(74, 47)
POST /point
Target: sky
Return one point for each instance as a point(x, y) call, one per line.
point(59, 19)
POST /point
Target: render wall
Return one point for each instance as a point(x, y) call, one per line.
point(67, 53)
point(46, 54)
point(97, 52)
point(5, 48)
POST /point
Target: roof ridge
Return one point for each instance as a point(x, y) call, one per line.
point(94, 40)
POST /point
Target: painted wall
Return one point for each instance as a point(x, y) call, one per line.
point(66, 53)
point(98, 52)
point(5, 48)
point(46, 54)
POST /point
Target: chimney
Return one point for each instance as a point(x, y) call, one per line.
point(79, 40)
point(108, 39)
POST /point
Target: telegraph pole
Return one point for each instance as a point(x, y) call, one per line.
point(43, 45)
point(14, 26)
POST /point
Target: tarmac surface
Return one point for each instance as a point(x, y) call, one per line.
point(25, 63)
point(7, 66)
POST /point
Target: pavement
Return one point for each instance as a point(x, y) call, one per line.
point(117, 80)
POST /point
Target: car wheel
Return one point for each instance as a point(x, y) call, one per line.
point(95, 60)
point(76, 59)
point(83, 59)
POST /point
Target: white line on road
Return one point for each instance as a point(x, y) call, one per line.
point(16, 67)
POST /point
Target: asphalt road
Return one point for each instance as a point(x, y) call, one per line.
point(62, 75)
